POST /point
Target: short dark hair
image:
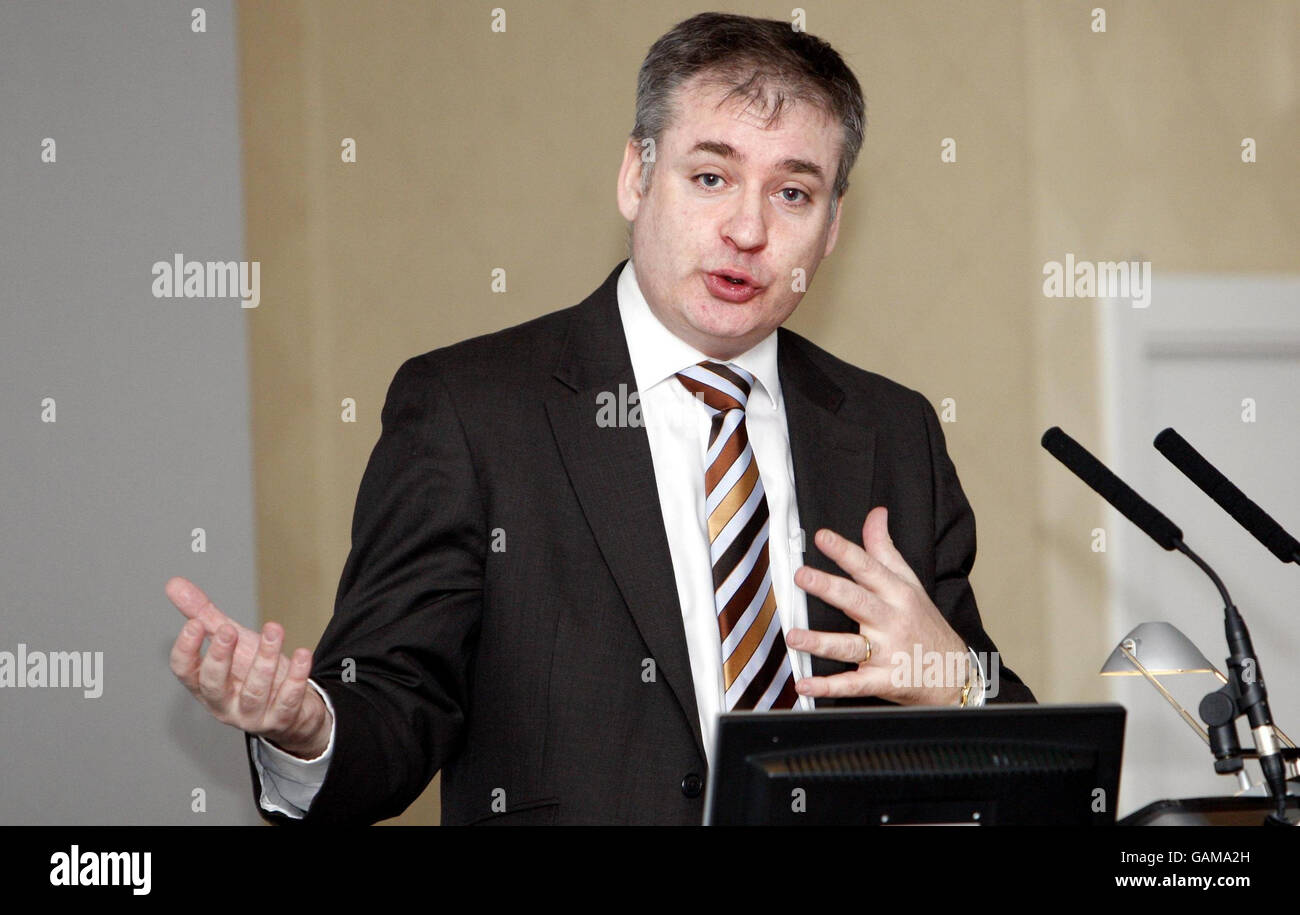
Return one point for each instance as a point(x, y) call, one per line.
point(765, 61)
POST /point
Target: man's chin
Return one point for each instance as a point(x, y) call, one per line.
point(725, 334)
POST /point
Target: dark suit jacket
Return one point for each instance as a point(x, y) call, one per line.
point(510, 574)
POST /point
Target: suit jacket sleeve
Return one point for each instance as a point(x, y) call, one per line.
point(396, 658)
point(954, 553)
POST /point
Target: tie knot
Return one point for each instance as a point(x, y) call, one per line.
point(723, 386)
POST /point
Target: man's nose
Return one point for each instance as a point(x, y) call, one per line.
point(745, 226)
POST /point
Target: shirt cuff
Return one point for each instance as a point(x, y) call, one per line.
point(289, 783)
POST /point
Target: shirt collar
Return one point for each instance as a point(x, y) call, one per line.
point(658, 354)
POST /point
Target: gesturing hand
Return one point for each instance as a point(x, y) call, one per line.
point(894, 614)
point(244, 679)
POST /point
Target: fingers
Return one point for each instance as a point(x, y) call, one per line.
point(863, 568)
point(214, 671)
point(848, 595)
point(256, 692)
point(190, 600)
point(849, 647)
point(245, 682)
point(878, 543)
point(281, 672)
point(287, 705)
point(185, 655)
point(865, 681)
point(889, 602)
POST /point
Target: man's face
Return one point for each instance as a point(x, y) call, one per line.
point(731, 200)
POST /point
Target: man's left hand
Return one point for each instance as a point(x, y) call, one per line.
point(884, 596)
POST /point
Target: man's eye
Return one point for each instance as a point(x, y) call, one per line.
point(706, 176)
point(795, 190)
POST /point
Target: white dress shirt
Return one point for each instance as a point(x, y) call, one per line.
point(677, 426)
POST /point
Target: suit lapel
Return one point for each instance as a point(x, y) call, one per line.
point(613, 475)
point(833, 465)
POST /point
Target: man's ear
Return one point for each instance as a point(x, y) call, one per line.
point(834, 233)
point(629, 181)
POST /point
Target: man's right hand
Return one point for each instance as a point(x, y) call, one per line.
point(244, 679)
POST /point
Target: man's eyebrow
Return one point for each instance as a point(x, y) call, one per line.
point(717, 148)
point(803, 167)
point(727, 151)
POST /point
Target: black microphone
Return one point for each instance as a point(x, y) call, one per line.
point(1245, 689)
point(1231, 499)
point(1111, 488)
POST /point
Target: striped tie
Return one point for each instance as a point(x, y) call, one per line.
point(755, 664)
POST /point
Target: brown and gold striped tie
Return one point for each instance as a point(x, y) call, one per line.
point(756, 670)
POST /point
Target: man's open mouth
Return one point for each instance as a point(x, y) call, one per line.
point(732, 285)
point(736, 277)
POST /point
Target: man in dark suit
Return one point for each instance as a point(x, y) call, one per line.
point(579, 539)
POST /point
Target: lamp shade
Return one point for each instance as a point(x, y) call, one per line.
point(1161, 648)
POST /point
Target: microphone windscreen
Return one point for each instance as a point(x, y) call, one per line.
point(1111, 488)
point(1231, 499)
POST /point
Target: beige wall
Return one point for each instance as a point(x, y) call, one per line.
point(479, 150)
point(1135, 153)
